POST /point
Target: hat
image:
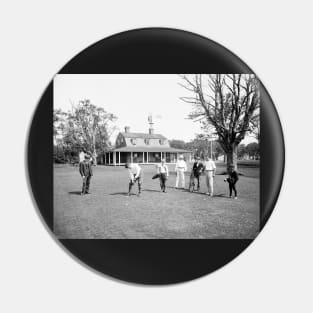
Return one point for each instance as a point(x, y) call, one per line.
point(181, 156)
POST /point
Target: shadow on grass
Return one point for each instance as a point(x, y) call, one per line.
point(75, 193)
point(220, 195)
point(119, 193)
point(151, 190)
point(159, 190)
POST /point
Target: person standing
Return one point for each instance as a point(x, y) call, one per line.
point(210, 170)
point(197, 169)
point(163, 172)
point(232, 180)
point(180, 169)
point(85, 170)
point(135, 174)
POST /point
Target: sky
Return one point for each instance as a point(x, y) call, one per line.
point(132, 97)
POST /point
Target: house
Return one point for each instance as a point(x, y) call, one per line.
point(143, 148)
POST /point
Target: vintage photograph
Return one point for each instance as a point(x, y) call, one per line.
point(156, 156)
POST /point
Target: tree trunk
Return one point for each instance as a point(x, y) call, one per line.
point(232, 157)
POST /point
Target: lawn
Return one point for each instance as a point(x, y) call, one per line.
point(108, 213)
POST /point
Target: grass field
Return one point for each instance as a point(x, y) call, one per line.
point(108, 213)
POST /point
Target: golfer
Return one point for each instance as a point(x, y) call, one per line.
point(210, 170)
point(197, 169)
point(135, 174)
point(85, 170)
point(180, 169)
point(163, 174)
point(232, 180)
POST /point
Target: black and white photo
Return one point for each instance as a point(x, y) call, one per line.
point(156, 156)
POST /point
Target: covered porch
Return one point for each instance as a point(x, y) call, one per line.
point(119, 156)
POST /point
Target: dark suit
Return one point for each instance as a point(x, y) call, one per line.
point(85, 171)
point(197, 169)
point(232, 180)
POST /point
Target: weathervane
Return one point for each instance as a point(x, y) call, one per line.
point(150, 120)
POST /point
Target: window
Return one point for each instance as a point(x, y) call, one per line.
point(154, 157)
point(147, 141)
point(133, 141)
point(161, 141)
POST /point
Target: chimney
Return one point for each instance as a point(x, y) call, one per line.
point(127, 129)
point(151, 131)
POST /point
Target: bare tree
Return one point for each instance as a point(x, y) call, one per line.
point(228, 102)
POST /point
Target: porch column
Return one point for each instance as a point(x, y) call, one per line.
point(119, 158)
point(143, 157)
point(105, 158)
point(131, 157)
point(161, 155)
point(176, 156)
point(114, 158)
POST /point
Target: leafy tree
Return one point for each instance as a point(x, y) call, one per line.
point(178, 144)
point(241, 151)
point(59, 118)
point(91, 124)
point(226, 102)
point(201, 146)
point(59, 122)
point(253, 149)
point(198, 146)
point(87, 126)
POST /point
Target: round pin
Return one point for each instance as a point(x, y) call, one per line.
point(155, 156)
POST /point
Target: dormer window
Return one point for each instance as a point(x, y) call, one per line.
point(133, 141)
point(161, 141)
point(147, 141)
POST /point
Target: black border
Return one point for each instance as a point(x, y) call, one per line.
point(153, 50)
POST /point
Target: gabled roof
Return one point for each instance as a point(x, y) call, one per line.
point(150, 149)
point(143, 135)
